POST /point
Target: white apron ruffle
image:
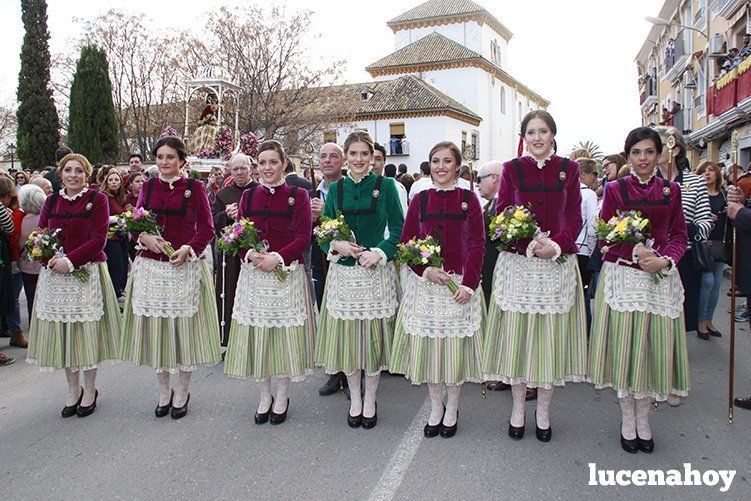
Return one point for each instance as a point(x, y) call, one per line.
point(430, 310)
point(163, 290)
point(358, 293)
point(63, 298)
point(630, 289)
point(531, 285)
point(261, 300)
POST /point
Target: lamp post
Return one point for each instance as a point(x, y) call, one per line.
point(658, 21)
point(11, 152)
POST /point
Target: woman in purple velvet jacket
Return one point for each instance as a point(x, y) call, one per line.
point(638, 344)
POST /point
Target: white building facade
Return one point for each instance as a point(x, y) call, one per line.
point(458, 51)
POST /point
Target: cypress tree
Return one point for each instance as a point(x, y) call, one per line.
point(92, 125)
point(38, 134)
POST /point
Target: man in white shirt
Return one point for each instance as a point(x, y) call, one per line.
point(586, 241)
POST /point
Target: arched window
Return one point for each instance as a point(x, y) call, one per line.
point(520, 110)
point(503, 99)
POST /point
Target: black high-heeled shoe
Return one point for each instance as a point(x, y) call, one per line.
point(714, 333)
point(543, 435)
point(354, 421)
point(82, 411)
point(630, 446)
point(430, 430)
point(70, 410)
point(645, 445)
point(370, 422)
point(449, 431)
point(515, 432)
point(279, 418)
point(262, 418)
point(180, 412)
point(163, 410)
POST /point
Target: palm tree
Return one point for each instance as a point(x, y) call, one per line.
point(593, 149)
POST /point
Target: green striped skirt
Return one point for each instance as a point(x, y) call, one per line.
point(173, 344)
point(262, 352)
point(446, 360)
point(350, 345)
point(637, 353)
point(537, 349)
point(77, 345)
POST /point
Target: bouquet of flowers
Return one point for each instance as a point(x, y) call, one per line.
point(514, 223)
point(243, 235)
point(249, 144)
point(425, 252)
point(224, 142)
point(144, 221)
point(625, 227)
point(332, 229)
point(43, 244)
point(117, 228)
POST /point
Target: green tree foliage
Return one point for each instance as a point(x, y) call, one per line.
point(38, 134)
point(92, 124)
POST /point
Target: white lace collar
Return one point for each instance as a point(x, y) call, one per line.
point(356, 180)
point(74, 197)
point(541, 161)
point(170, 181)
point(272, 187)
point(450, 188)
point(644, 183)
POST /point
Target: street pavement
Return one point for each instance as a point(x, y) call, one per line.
point(216, 452)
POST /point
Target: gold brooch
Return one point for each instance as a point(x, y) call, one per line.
point(376, 193)
point(666, 191)
point(562, 176)
point(187, 193)
point(88, 206)
point(291, 201)
point(465, 206)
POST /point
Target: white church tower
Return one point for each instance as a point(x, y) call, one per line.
point(446, 81)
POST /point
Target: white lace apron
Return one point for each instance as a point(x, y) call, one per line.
point(531, 285)
point(431, 311)
point(358, 293)
point(165, 291)
point(629, 289)
point(63, 298)
point(261, 300)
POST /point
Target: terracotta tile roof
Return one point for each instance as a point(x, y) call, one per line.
point(437, 50)
point(433, 48)
point(434, 10)
point(404, 95)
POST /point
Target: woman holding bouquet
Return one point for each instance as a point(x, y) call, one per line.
point(638, 344)
point(537, 327)
point(438, 339)
point(360, 302)
point(273, 319)
point(170, 316)
point(75, 324)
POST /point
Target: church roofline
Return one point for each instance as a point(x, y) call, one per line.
point(442, 12)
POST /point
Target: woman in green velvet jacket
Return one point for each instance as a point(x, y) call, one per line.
point(360, 300)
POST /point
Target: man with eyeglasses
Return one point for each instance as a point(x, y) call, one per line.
point(488, 180)
point(224, 209)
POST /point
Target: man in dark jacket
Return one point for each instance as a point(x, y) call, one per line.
point(224, 210)
point(740, 213)
point(292, 179)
